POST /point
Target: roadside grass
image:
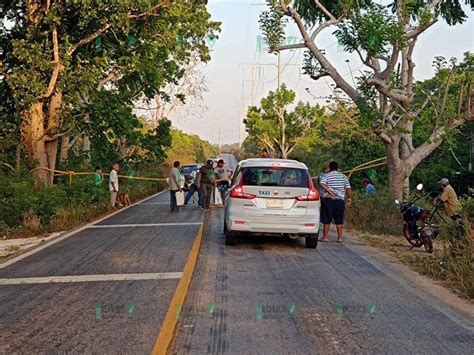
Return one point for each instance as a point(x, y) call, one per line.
point(29, 213)
point(452, 261)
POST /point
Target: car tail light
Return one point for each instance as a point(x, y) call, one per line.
point(238, 192)
point(313, 194)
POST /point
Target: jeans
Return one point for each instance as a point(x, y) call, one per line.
point(190, 194)
point(173, 204)
point(206, 195)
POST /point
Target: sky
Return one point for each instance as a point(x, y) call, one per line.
point(240, 74)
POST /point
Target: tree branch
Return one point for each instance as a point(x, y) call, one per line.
point(323, 9)
point(93, 36)
point(290, 46)
point(394, 94)
point(57, 65)
point(319, 76)
point(419, 30)
point(325, 25)
point(88, 39)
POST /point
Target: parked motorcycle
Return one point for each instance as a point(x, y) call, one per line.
point(418, 228)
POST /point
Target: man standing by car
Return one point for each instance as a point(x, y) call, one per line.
point(222, 182)
point(206, 174)
point(175, 181)
point(336, 186)
point(452, 206)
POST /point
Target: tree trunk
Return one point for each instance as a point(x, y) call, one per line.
point(396, 173)
point(18, 157)
point(34, 141)
point(51, 145)
point(86, 148)
point(122, 145)
point(64, 150)
point(51, 149)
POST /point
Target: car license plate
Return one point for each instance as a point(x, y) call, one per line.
point(274, 203)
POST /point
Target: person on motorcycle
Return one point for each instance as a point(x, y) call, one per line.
point(452, 206)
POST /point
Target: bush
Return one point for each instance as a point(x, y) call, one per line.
point(374, 214)
point(59, 206)
point(16, 199)
point(31, 222)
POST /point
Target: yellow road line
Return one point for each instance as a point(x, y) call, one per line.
point(170, 322)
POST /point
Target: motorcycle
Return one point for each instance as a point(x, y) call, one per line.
point(418, 228)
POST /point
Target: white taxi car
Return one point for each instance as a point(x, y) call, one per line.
point(274, 197)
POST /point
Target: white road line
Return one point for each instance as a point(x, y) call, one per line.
point(88, 278)
point(144, 225)
point(67, 235)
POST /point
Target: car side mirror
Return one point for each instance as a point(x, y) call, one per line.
point(419, 187)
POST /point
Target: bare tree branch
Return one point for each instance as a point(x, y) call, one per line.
point(290, 46)
point(325, 25)
point(419, 30)
point(323, 9)
point(57, 65)
point(394, 94)
point(88, 39)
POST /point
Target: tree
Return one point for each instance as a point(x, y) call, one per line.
point(56, 57)
point(384, 41)
point(277, 129)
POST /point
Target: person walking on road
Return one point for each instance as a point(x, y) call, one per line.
point(193, 187)
point(452, 206)
point(207, 179)
point(114, 185)
point(175, 181)
point(336, 186)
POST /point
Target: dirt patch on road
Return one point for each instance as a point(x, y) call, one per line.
point(338, 331)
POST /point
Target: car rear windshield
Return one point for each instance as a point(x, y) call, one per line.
point(275, 176)
point(188, 169)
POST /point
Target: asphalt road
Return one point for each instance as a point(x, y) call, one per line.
point(273, 296)
point(144, 246)
point(107, 288)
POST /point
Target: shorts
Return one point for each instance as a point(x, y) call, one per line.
point(332, 210)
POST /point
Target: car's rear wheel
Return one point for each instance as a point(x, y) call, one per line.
point(311, 242)
point(229, 236)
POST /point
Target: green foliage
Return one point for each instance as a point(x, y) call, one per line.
point(61, 206)
point(374, 31)
point(276, 128)
point(112, 56)
point(272, 26)
point(374, 214)
point(188, 148)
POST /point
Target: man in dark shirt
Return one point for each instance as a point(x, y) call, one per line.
point(206, 174)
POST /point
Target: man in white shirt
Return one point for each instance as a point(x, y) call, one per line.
point(176, 180)
point(113, 185)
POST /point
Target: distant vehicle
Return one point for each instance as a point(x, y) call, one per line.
point(186, 171)
point(272, 197)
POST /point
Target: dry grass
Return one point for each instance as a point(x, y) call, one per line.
point(31, 222)
point(451, 261)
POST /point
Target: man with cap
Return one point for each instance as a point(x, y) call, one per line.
point(452, 206)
